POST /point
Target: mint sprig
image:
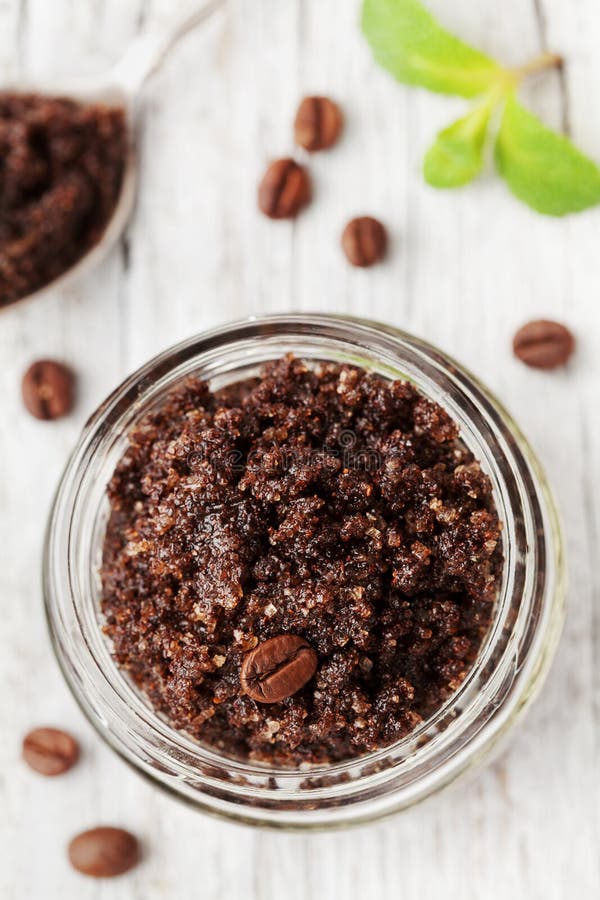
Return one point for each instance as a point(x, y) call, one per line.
point(541, 167)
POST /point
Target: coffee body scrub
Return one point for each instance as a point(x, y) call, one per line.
point(301, 567)
point(61, 169)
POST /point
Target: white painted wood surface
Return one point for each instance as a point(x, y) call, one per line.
point(465, 269)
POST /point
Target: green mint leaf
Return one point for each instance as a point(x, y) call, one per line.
point(543, 168)
point(407, 40)
point(456, 157)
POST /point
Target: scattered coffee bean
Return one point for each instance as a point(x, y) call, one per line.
point(104, 852)
point(50, 751)
point(543, 344)
point(284, 189)
point(318, 123)
point(364, 241)
point(278, 668)
point(48, 389)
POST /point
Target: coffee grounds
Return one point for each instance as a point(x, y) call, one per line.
point(61, 170)
point(321, 502)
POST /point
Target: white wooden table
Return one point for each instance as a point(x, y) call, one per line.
point(465, 269)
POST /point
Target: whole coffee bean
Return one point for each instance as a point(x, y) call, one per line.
point(104, 852)
point(278, 668)
point(48, 389)
point(543, 344)
point(318, 123)
point(284, 189)
point(50, 751)
point(364, 241)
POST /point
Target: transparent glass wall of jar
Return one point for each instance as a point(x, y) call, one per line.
point(512, 662)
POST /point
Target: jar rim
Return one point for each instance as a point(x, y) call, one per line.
point(440, 748)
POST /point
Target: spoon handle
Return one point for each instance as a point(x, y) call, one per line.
point(146, 52)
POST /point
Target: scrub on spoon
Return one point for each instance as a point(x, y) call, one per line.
point(77, 193)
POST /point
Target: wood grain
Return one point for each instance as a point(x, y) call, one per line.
point(466, 269)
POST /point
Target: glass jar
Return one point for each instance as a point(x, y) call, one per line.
point(509, 669)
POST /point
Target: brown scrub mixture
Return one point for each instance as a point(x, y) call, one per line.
point(61, 170)
point(318, 502)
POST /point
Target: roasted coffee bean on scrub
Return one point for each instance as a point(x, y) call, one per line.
point(104, 852)
point(318, 123)
point(50, 751)
point(277, 668)
point(364, 241)
point(48, 389)
point(284, 189)
point(543, 344)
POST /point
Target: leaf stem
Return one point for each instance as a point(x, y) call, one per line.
point(538, 64)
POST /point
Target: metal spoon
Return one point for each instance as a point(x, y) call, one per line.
point(121, 87)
